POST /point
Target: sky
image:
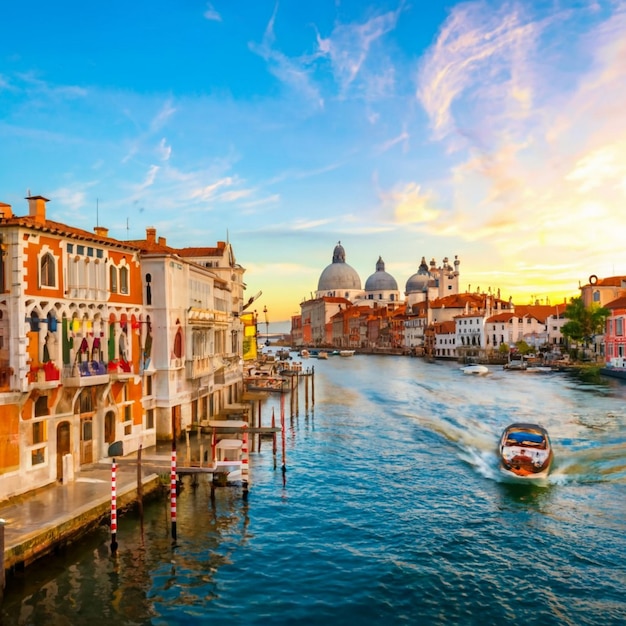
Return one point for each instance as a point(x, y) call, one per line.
point(495, 131)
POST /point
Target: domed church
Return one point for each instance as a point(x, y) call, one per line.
point(381, 287)
point(339, 280)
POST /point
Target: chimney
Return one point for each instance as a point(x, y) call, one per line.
point(37, 208)
point(5, 211)
point(162, 241)
point(151, 235)
point(101, 231)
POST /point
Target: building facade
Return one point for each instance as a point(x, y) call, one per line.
point(106, 345)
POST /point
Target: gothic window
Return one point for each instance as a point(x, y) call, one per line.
point(124, 280)
point(47, 271)
point(112, 279)
point(148, 289)
point(178, 344)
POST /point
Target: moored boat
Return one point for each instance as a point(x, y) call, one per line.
point(525, 452)
point(475, 368)
point(346, 352)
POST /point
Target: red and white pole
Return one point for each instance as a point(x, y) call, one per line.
point(284, 434)
point(245, 475)
point(173, 493)
point(113, 507)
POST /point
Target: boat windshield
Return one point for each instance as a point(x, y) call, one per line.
point(528, 439)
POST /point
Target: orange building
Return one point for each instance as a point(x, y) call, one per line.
point(72, 347)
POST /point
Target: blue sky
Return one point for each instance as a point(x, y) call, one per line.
point(494, 131)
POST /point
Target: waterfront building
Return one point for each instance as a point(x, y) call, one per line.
point(71, 348)
point(444, 340)
point(193, 304)
point(615, 333)
point(107, 345)
point(316, 315)
point(602, 290)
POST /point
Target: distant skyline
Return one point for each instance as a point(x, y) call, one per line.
point(495, 131)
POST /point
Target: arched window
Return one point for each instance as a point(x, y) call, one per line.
point(148, 289)
point(124, 280)
point(113, 279)
point(178, 344)
point(47, 271)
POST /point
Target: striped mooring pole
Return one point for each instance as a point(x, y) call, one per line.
point(244, 459)
point(113, 507)
point(173, 493)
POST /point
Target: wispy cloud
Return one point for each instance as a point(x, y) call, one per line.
point(164, 150)
point(292, 72)
point(211, 14)
point(480, 54)
point(349, 46)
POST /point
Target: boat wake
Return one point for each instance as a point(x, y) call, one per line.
point(578, 459)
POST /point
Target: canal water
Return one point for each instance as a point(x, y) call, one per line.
point(391, 510)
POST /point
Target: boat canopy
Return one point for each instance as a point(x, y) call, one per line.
point(525, 436)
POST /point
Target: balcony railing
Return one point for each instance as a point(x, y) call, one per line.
point(45, 372)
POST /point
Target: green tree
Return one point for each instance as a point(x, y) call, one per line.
point(584, 322)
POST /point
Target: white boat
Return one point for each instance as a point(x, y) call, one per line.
point(525, 453)
point(475, 368)
point(322, 354)
point(539, 369)
point(304, 353)
point(346, 352)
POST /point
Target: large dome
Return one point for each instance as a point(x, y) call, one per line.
point(419, 282)
point(380, 280)
point(338, 275)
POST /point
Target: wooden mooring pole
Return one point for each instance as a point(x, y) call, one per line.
point(2, 573)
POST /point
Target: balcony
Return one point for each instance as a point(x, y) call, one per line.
point(120, 369)
point(85, 374)
point(198, 366)
point(44, 374)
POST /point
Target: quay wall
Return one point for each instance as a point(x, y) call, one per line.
point(29, 547)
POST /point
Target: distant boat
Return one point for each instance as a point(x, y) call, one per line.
point(475, 368)
point(322, 354)
point(525, 452)
point(539, 369)
point(346, 352)
point(304, 353)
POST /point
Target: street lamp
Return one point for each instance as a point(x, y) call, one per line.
point(267, 327)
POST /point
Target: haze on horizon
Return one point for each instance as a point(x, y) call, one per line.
point(495, 131)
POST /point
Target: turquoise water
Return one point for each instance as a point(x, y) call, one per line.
point(392, 511)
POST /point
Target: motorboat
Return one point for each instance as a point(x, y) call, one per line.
point(322, 354)
point(475, 368)
point(346, 352)
point(525, 452)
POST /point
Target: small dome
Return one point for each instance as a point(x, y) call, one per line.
point(339, 275)
point(419, 281)
point(380, 280)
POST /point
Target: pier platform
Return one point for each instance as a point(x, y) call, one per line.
point(38, 522)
